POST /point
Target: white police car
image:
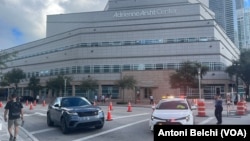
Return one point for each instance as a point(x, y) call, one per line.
point(172, 111)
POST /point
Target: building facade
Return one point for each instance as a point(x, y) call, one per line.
point(226, 16)
point(144, 38)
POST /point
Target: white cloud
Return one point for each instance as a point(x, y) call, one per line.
point(29, 17)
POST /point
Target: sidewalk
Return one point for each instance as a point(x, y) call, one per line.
point(23, 135)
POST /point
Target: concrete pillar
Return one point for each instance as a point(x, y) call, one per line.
point(99, 90)
point(73, 90)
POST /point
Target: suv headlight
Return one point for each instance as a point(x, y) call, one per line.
point(72, 113)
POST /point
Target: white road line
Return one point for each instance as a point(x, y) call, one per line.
point(119, 117)
point(44, 130)
point(206, 120)
point(108, 131)
point(33, 138)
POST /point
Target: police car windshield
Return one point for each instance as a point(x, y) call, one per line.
point(173, 105)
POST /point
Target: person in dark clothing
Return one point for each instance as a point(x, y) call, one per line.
point(14, 112)
point(218, 109)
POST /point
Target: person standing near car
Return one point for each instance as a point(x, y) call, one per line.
point(218, 109)
point(14, 109)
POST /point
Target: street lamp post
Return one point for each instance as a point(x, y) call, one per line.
point(65, 84)
point(199, 78)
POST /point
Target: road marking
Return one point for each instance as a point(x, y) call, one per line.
point(119, 117)
point(108, 131)
point(33, 138)
point(206, 120)
point(41, 131)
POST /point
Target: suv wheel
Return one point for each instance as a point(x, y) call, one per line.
point(49, 121)
point(64, 127)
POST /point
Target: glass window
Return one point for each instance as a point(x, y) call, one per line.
point(149, 66)
point(51, 72)
point(97, 69)
point(67, 70)
point(203, 39)
point(28, 75)
point(79, 69)
point(116, 68)
point(74, 69)
point(135, 67)
point(62, 71)
point(126, 67)
point(171, 66)
point(56, 71)
point(86, 69)
point(117, 43)
point(95, 44)
point(192, 39)
point(177, 105)
point(83, 44)
point(170, 40)
point(106, 68)
point(105, 44)
point(217, 66)
point(159, 66)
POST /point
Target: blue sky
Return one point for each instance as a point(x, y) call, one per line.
point(24, 21)
point(247, 3)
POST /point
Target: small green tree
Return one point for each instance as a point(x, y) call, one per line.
point(89, 85)
point(14, 76)
point(127, 82)
point(57, 84)
point(34, 85)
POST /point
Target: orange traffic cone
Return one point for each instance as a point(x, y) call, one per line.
point(27, 103)
point(31, 106)
point(129, 107)
point(1, 104)
point(35, 103)
point(109, 117)
point(110, 106)
point(44, 104)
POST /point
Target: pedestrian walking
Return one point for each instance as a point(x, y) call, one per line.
point(151, 99)
point(14, 109)
point(218, 109)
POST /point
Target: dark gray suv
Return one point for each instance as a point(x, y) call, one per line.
point(73, 113)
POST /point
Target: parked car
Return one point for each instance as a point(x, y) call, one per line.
point(25, 98)
point(172, 111)
point(73, 113)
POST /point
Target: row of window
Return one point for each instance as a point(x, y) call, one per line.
point(123, 43)
point(95, 69)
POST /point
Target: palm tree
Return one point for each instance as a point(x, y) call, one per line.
point(186, 76)
point(127, 82)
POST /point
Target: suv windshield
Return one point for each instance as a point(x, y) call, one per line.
point(173, 105)
point(71, 102)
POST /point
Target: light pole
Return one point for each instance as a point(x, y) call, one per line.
point(65, 84)
point(199, 78)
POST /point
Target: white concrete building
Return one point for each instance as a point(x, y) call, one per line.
point(129, 36)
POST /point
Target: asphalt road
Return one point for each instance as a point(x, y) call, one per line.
point(123, 127)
